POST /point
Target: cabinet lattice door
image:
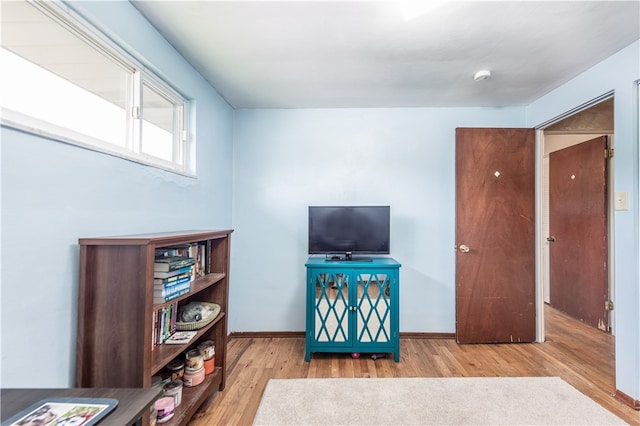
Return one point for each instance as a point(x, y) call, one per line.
point(352, 306)
point(374, 308)
point(332, 308)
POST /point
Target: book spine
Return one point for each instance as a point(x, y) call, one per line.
point(166, 288)
point(162, 312)
point(171, 279)
point(203, 258)
point(176, 295)
point(173, 251)
point(193, 252)
point(171, 274)
point(157, 330)
point(174, 320)
point(153, 330)
point(167, 319)
point(170, 297)
point(165, 291)
point(173, 265)
point(200, 256)
point(171, 284)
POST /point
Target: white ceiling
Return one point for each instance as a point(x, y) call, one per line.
point(315, 54)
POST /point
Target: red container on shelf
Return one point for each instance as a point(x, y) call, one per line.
point(210, 365)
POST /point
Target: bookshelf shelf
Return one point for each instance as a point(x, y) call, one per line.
point(116, 311)
point(164, 354)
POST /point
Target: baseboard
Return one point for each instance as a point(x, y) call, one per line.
point(284, 334)
point(413, 335)
point(633, 403)
point(265, 334)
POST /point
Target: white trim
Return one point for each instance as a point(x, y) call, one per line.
point(22, 123)
point(539, 160)
point(611, 230)
point(540, 335)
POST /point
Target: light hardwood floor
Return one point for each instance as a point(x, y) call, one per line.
point(581, 355)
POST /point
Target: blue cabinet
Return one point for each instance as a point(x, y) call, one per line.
point(352, 306)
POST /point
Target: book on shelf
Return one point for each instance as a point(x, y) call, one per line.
point(172, 263)
point(169, 274)
point(174, 288)
point(157, 328)
point(180, 337)
point(173, 279)
point(154, 325)
point(163, 296)
point(199, 252)
point(160, 299)
point(182, 250)
point(174, 318)
point(170, 282)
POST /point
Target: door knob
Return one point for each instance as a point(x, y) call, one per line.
point(464, 248)
point(551, 239)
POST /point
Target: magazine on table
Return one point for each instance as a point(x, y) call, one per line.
point(64, 412)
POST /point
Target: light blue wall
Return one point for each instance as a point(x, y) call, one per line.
point(286, 160)
point(280, 161)
point(618, 74)
point(53, 194)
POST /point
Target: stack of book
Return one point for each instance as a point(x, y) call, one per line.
point(197, 251)
point(172, 277)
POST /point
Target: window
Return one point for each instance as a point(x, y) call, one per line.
point(62, 79)
point(162, 115)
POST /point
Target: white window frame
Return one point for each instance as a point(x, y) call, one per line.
point(183, 161)
point(179, 119)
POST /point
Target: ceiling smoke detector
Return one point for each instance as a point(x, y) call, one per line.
point(482, 75)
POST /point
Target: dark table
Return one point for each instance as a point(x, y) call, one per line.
point(132, 403)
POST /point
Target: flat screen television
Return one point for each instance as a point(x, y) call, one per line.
point(340, 232)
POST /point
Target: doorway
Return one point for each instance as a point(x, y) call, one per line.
point(566, 290)
point(579, 125)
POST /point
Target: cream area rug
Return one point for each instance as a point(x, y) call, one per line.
point(429, 401)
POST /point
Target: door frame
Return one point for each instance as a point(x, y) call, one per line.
point(540, 238)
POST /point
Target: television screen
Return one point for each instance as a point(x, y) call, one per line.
point(344, 230)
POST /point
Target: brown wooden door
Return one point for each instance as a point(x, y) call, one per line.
point(578, 247)
point(495, 210)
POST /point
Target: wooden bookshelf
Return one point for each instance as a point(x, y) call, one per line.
point(116, 309)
